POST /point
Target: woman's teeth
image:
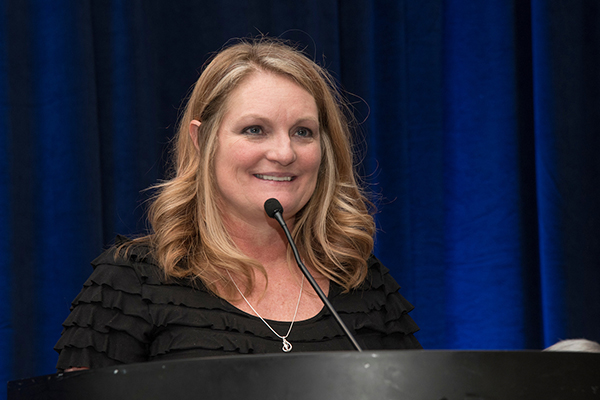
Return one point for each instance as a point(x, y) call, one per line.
point(274, 178)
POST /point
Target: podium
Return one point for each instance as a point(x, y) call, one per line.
point(378, 375)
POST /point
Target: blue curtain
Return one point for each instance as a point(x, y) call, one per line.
point(480, 137)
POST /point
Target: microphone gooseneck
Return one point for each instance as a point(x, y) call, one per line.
point(274, 210)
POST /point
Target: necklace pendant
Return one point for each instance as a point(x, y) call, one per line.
point(287, 346)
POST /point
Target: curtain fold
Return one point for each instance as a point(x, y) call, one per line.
point(478, 138)
point(566, 61)
point(483, 244)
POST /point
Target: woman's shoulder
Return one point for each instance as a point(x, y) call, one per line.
point(378, 306)
point(126, 262)
point(130, 266)
point(377, 294)
point(379, 277)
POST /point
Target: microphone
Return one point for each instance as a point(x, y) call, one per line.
point(274, 210)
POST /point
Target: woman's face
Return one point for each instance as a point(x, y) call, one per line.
point(268, 146)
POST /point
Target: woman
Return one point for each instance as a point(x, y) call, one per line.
point(215, 276)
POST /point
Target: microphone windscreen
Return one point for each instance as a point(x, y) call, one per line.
point(272, 206)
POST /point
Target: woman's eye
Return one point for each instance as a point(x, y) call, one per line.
point(304, 132)
point(253, 130)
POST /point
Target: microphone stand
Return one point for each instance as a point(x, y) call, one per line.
point(277, 215)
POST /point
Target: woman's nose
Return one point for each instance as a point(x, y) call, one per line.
point(281, 149)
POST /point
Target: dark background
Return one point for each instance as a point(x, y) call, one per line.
point(480, 124)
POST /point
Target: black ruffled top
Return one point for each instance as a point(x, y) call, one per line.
point(127, 313)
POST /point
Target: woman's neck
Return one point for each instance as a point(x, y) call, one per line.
point(265, 242)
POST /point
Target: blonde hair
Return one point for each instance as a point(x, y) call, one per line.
point(334, 231)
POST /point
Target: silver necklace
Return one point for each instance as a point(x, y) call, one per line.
point(287, 346)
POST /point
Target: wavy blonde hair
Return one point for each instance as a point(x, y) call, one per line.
point(334, 231)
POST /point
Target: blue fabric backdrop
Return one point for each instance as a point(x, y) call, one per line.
point(481, 130)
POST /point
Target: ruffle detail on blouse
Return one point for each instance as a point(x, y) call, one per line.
point(207, 322)
point(104, 320)
point(128, 313)
point(187, 338)
point(74, 357)
point(137, 257)
point(376, 305)
point(115, 345)
point(186, 295)
point(109, 319)
point(129, 304)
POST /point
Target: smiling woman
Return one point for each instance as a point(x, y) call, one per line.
point(215, 275)
point(268, 146)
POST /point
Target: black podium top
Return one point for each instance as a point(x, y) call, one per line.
point(407, 375)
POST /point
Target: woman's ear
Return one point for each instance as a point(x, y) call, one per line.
point(194, 126)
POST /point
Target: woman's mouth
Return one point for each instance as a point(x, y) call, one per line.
point(275, 178)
